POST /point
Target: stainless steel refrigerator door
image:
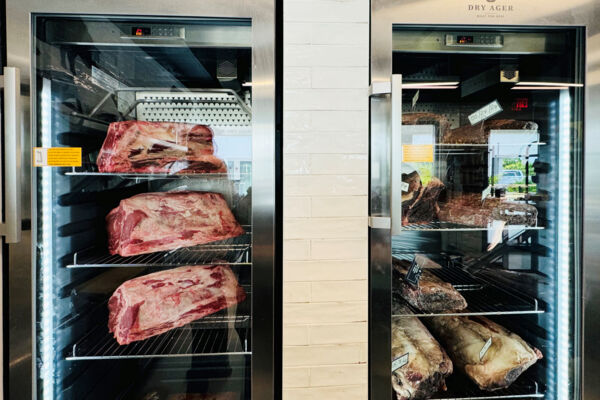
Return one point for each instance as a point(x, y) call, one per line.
point(386, 13)
point(262, 13)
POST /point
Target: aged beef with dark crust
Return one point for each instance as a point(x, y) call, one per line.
point(428, 365)
point(432, 294)
point(158, 147)
point(480, 132)
point(424, 207)
point(425, 118)
point(464, 337)
point(153, 304)
point(151, 222)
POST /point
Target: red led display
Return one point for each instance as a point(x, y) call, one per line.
point(520, 104)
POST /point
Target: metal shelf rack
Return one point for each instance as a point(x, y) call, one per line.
point(235, 250)
point(452, 227)
point(460, 388)
point(483, 298)
point(196, 339)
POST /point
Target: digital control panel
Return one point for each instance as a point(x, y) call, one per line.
point(474, 40)
point(155, 31)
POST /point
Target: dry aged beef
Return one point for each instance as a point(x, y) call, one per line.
point(158, 147)
point(432, 294)
point(464, 339)
point(151, 222)
point(153, 304)
point(428, 365)
point(480, 132)
point(425, 118)
point(470, 209)
point(413, 180)
point(423, 208)
point(196, 396)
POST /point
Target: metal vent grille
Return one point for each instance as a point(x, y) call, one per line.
point(222, 108)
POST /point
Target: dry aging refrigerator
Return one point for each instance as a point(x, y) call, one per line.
point(160, 119)
point(478, 146)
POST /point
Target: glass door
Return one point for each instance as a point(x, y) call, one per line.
point(143, 136)
point(479, 171)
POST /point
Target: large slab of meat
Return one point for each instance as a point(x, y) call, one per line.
point(153, 304)
point(422, 206)
point(151, 222)
point(428, 364)
point(503, 362)
point(158, 147)
point(470, 209)
point(480, 132)
point(432, 294)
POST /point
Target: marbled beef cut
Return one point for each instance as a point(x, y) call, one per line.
point(424, 207)
point(428, 365)
point(151, 222)
point(158, 147)
point(153, 304)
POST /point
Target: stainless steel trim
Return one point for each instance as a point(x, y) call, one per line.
point(396, 140)
point(379, 88)
point(262, 13)
point(12, 155)
point(380, 222)
point(385, 13)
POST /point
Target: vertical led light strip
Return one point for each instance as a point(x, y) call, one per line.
point(46, 267)
point(563, 265)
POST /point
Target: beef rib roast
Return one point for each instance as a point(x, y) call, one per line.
point(151, 222)
point(153, 304)
point(158, 147)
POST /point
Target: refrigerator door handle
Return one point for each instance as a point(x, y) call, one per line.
point(396, 147)
point(11, 227)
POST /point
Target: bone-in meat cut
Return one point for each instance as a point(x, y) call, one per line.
point(428, 365)
point(151, 222)
point(431, 294)
point(153, 304)
point(158, 147)
point(464, 339)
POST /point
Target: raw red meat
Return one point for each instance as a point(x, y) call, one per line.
point(151, 222)
point(158, 147)
point(153, 304)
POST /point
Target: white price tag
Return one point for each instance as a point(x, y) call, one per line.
point(399, 362)
point(415, 98)
point(404, 186)
point(485, 112)
point(486, 192)
point(485, 348)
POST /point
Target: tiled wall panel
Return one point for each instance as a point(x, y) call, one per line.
point(325, 289)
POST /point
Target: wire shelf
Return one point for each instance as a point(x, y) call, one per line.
point(206, 337)
point(483, 298)
point(230, 251)
point(460, 388)
point(453, 227)
point(122, 175)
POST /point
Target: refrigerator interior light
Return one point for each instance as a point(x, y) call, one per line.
point(45, 275)
point(563, 344)
point(430, 85)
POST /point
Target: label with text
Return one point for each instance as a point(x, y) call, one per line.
point(404, 186)
point(485, 112)
point(417, 153)
point(399, 362)
point(57, 156)
point(413, 276)
point(485, 348)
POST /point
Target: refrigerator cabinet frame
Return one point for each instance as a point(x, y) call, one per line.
point(536, 13)
point(262, 13)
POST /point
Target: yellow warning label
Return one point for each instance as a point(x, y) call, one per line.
point(57, 156)
point(417, 153)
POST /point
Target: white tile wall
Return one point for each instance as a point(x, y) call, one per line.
point(326, 59)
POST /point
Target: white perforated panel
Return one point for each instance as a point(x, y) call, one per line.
point(214, 108)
